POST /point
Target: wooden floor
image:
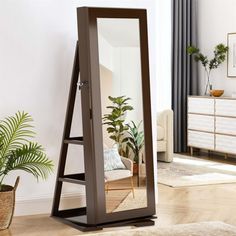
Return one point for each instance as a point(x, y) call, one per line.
point(115, 197)
point(175, 206)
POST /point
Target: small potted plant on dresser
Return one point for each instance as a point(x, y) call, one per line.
point(17, 152)
point(220, 52)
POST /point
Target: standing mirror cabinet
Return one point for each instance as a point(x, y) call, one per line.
point(112, 69)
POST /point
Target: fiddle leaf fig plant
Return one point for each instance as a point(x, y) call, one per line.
point(17, 152)
point(115, 120)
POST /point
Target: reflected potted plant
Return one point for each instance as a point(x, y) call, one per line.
point(220, 52)
point(115, 121)
point(135, 141)
point(18, 153)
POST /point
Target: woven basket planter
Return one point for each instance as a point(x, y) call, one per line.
point(7, 205)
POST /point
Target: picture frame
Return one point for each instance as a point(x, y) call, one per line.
point(231, 62)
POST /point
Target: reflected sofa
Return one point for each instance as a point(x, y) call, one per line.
point(164, 140)
point(165, 136)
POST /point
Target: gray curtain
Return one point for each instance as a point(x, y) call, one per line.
point(184, 69)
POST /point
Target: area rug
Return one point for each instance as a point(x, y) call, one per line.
point(138, 201)
point(190, 171)
point(195, 229)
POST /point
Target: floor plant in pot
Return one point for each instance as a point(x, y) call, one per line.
point(135, 141)
point(17, 152)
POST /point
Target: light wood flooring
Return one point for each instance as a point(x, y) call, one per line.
point(119, 190)
point(175, 206)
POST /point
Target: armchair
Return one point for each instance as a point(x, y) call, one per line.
point(119, 174)
point(165, 136)
point(164, 140)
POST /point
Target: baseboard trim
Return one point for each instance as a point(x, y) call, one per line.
point(43, 205)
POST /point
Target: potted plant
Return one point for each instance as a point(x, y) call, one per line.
point(135, 141)
point(220, 52)
point(115, 120)
point(18, 153)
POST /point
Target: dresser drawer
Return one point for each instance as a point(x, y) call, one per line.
point(225, 125)
point(224, 107)
point(225, 143)
point(201, 122)
point(201, 105)
point(201, 140)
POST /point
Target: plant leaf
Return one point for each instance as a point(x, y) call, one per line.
point(16, 130)
point(30, 158)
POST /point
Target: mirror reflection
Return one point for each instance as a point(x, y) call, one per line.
point(122, 114)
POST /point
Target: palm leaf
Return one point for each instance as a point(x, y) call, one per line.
point(1, 140)
point(16, 130)
point(30, 158)
point(1, 146)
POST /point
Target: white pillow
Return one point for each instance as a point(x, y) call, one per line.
point(112, 160)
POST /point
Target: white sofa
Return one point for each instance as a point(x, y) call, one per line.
point(164, 140)
point(165, 136)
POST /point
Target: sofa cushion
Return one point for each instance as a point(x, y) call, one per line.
point(160, 133)
point(117, 174)
point(161, 146)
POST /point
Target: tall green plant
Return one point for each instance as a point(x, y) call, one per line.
point(17, 152)
point(135, 140)
point(220, 52)
point(115, 120)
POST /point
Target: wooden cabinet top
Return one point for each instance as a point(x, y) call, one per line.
point(208, 97)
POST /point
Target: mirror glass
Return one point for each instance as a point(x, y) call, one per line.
point(122, 114)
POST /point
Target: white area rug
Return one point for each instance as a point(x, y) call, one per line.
point(138, 201)
point(191, 171)
point(195, 229)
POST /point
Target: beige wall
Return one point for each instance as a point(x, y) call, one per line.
point(106, 88)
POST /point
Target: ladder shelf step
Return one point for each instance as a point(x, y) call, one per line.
point(74, 179)
point(75, 140)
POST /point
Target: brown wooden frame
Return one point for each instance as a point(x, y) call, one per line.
point(86, 62)
point(93, 144)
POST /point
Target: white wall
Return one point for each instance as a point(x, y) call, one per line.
point(127, 79)
point(105, 58)
point(37, 47)
point(216, 18)
point(163, 57)
point(106, 85)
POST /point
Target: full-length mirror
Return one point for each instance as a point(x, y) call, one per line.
point(122, 114)
point(111, 71)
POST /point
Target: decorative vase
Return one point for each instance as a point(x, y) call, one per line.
point(208, 86)
point(7, 205)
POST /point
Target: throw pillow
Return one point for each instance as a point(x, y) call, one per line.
point(112, 160)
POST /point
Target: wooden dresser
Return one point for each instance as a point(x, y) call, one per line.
point(212, 124)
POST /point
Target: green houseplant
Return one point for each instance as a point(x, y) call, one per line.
point(220, 52)
point(135, 140)
point(18, 153)
point(115, 120)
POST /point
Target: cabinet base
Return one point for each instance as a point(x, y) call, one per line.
point(139, 222)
